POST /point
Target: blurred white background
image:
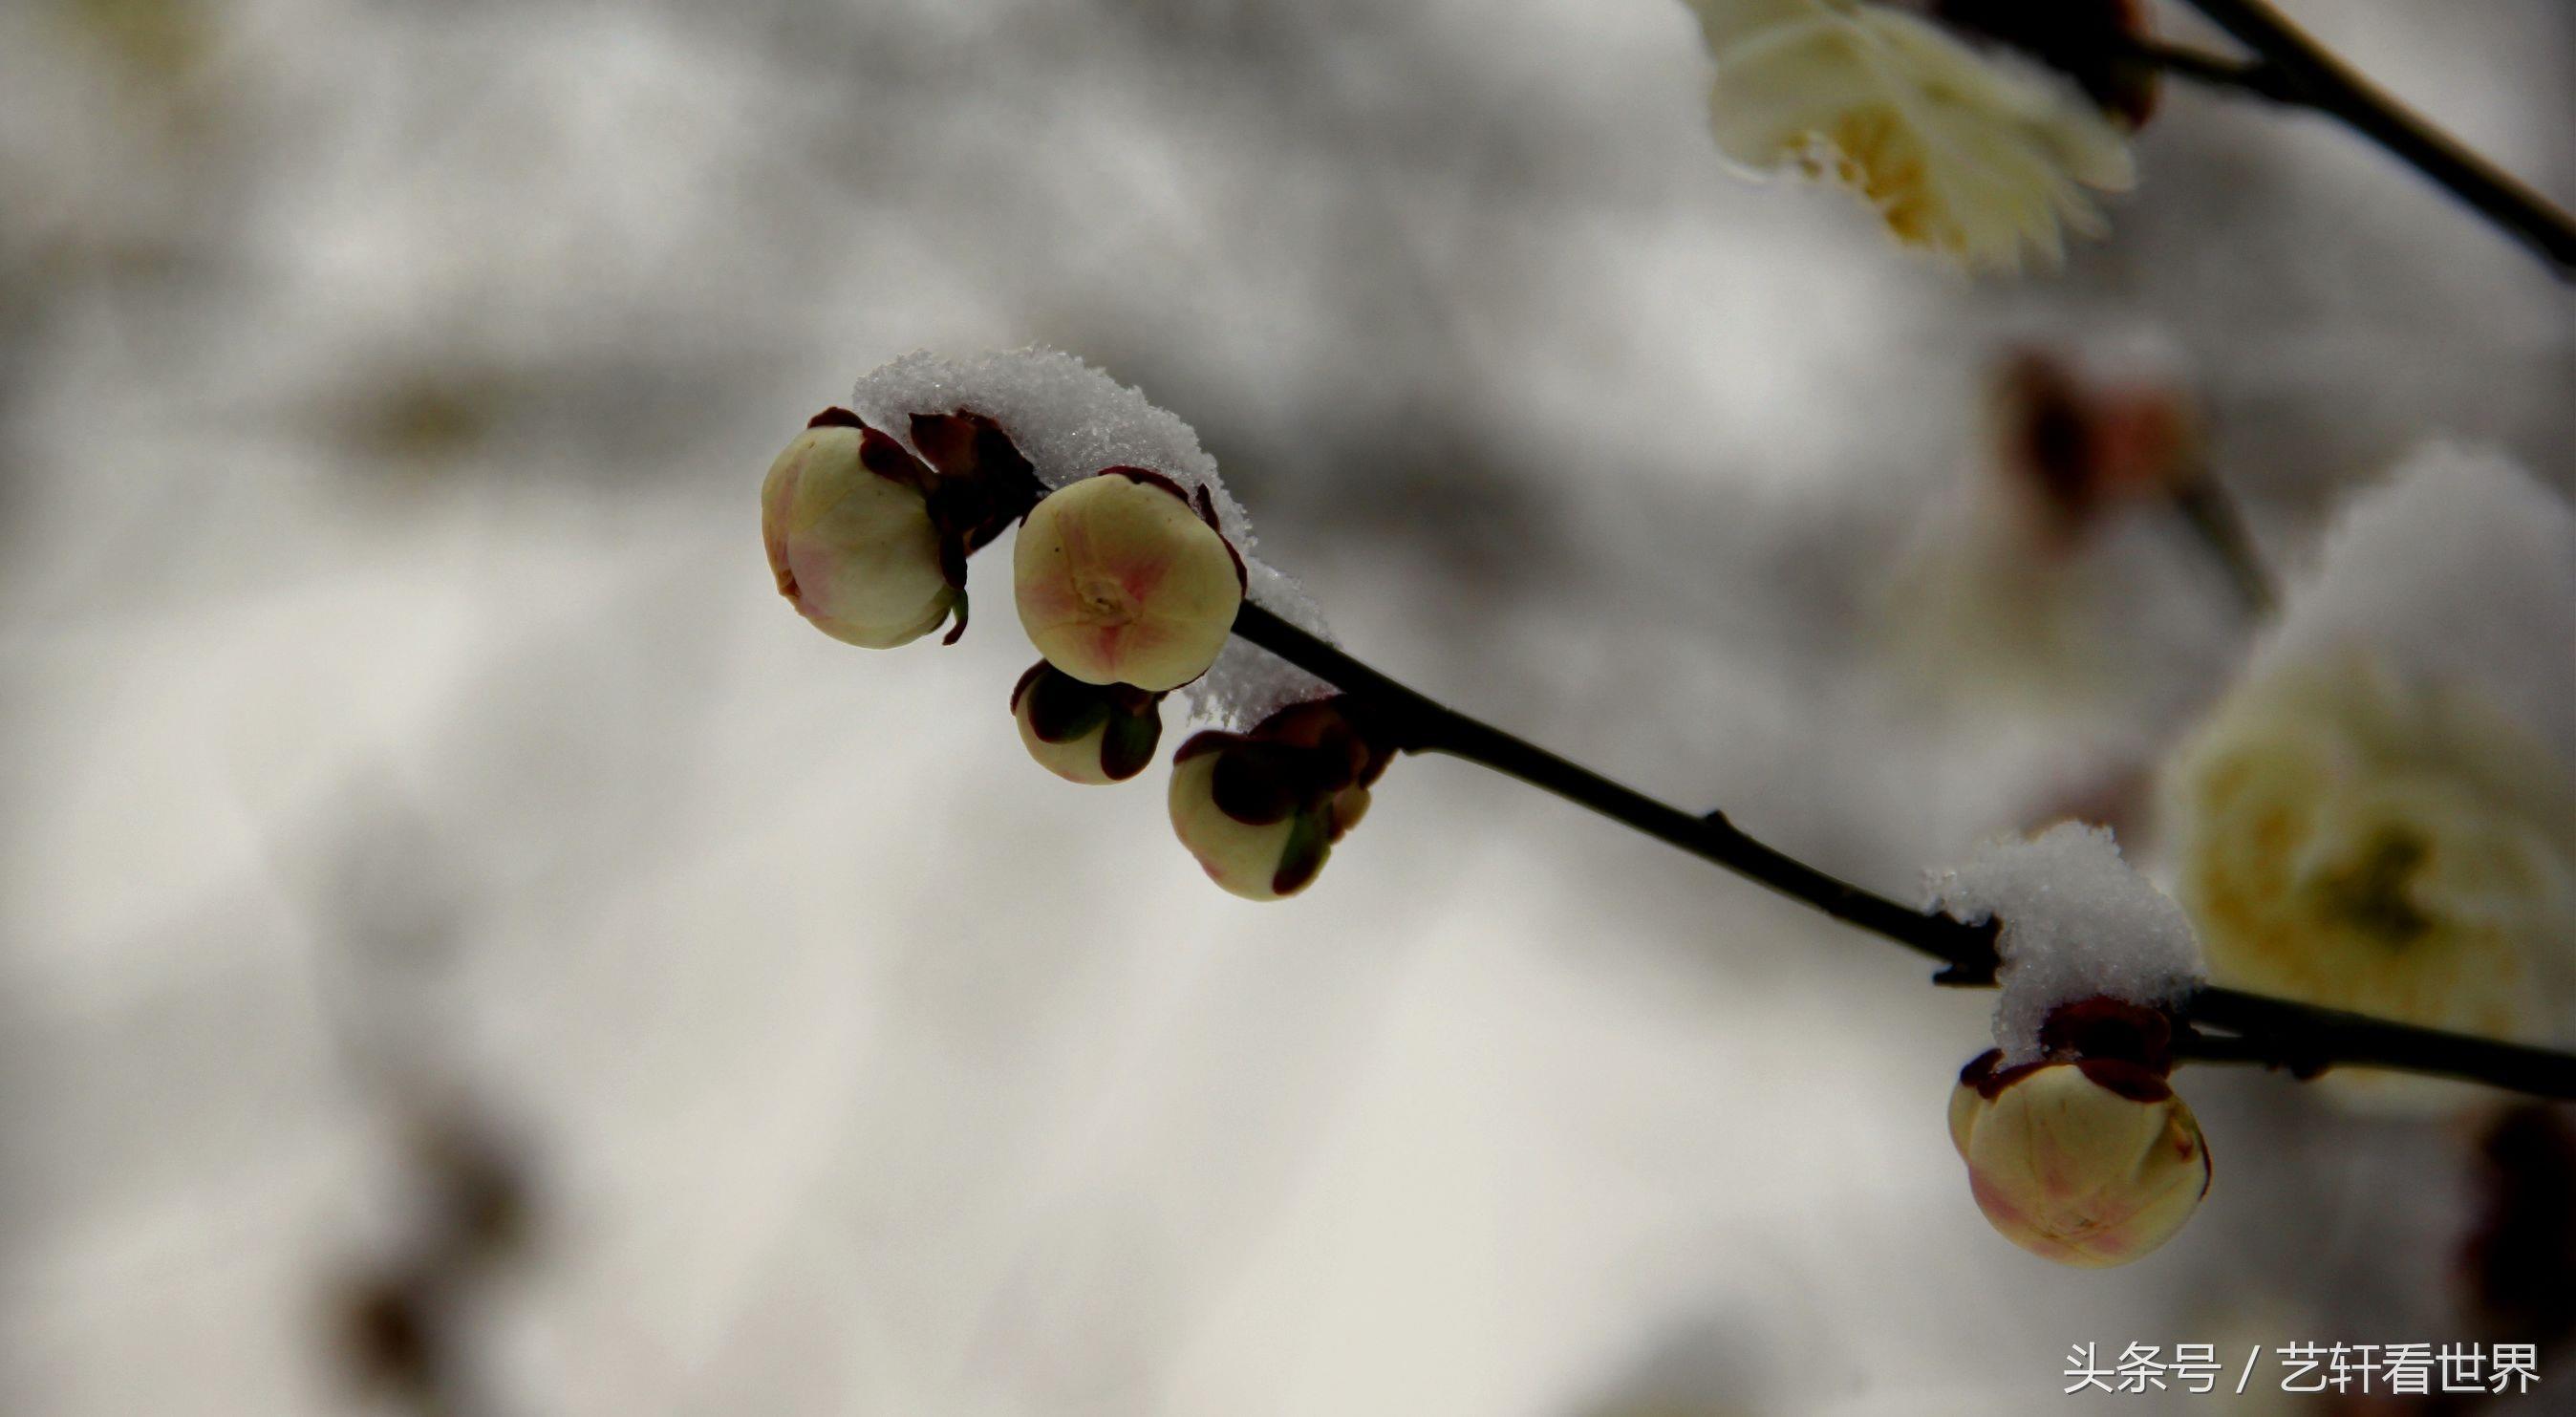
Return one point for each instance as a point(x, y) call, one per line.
point(403, 732)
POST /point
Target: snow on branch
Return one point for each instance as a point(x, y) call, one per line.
point(2078, 922)
point(1070, 420)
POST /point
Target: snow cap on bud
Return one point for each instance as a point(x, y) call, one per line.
point(1122, 581)
point(870, 542)
point(2086, 1157)
point(1086, 733)
point(855, 550)
point(1261, 810)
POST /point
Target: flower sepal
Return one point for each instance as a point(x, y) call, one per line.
point(1092, 734)
point(1262, 810)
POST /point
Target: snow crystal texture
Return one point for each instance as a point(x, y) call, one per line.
point(2077, 921)
point(1070, 421)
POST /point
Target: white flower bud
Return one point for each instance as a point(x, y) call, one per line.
point(2089, 1163)
point(1120, 581)
point(854, 550)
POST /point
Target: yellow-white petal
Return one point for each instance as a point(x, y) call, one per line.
point(1971, 152)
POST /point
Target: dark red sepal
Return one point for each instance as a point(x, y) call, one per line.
point(1258, 783)
point(1127, 748)
point(881, 454)
point(2102, 1027)
point(2127, 1079)
point(1028, 678)
point(1059, 706)
point(984, 483)
point(1205, 741)
point(1991, 1085)
point(1206, 505)
point(1061, 709)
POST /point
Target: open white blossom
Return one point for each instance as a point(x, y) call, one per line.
point(2381, 815)
point(1969, 151)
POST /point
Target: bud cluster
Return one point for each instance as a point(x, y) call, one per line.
point(1129, 588)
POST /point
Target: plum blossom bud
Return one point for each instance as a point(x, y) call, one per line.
point(855, 550)
point(2086, 1157)
point(1122, 581)
point(1086, 733)
point(870, 542)
point(1262, 810)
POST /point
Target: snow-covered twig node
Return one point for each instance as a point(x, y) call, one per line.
point(2078, 923)
point(1070, 421)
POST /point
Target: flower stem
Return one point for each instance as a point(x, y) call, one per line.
point(2215, 519)
point(2259, 1029)
point(2291, 67)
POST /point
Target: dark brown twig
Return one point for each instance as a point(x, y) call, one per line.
point(2258, 1029)
point(2292, 68)
point(2219, 524)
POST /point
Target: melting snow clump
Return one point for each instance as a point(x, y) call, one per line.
point(2078, 921)
point(1070, 421)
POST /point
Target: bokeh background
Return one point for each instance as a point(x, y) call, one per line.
point(467, 947)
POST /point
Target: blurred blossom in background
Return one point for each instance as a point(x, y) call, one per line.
point(469, 947)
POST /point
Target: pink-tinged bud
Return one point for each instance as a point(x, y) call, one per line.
point(854, 549)
point(869, 541)
point(1121, 581)
point(1262, 810)
point(2091, 1163)
point(1087, 733)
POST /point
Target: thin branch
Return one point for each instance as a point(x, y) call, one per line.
point(2218, 71)
point(2276, 1032)
point(2219, 524)
point(2307, 1040)
point(2291, 67)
